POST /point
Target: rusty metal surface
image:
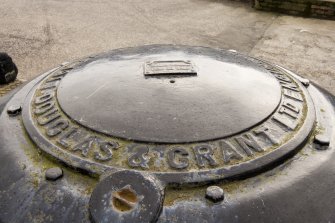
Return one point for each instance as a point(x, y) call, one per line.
point(63, 171)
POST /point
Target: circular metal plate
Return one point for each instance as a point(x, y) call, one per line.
point(230, 153)
point(116, 98)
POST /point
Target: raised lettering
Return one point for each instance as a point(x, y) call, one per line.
point(265, 131)
point(178, 158)
point(248, 144)
point(44, 107)
point(282, 77)
point(291, 107)
point(56, 77)
point(292, 94)
point(48, 117)
point(57, 127)
point(273, 70)
point(229, 152)
point(44, 98)
point(49, 85)
point(106, 150)
point(85, 145)
point(285, 121)
point(63, 140)
point(288, 112)
point(204, 153)
point(139, 158)
point(290, 86)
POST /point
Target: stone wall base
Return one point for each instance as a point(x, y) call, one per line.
point(308, 8)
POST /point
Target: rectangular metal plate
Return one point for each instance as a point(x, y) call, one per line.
point(172, 67)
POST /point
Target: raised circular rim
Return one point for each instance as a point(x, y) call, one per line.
point(244, 168)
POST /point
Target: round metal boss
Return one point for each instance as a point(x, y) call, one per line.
point(126, 196)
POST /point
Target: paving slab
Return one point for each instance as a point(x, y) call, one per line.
point(306, 46)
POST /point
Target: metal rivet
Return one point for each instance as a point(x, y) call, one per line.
point(305, 82)
point(53, 173)
point(214, 193)
point(14, 110)
point(322, 142)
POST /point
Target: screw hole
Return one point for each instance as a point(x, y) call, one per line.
point(172, 81)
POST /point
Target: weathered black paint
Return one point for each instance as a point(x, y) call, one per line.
point(280, 186)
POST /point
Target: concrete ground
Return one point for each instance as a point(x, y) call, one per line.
point(40, 34)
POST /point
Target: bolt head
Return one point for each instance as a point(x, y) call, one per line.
point(305, 82)
point(322, 142)
point(14, 110)
point(53, 173)
point(215, 194)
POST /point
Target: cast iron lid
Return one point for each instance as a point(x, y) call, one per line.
point(139, 122)
point(187, 114)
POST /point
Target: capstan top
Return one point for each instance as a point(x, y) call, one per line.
point(169, 95)
point(188, 114)
point(139, 121)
